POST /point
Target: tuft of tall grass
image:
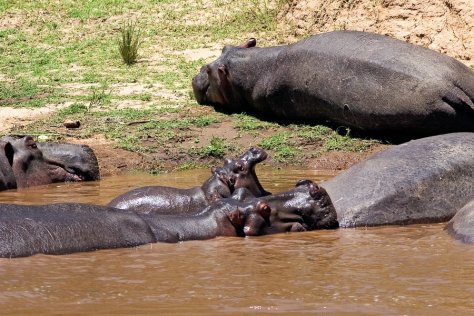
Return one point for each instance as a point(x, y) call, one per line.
point(128, 42)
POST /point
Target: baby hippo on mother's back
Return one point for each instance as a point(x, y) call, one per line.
point(361, 80)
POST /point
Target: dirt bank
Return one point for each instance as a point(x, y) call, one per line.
point(446, 26)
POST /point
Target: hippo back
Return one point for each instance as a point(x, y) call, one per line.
point(461, 226)
point(422, 181)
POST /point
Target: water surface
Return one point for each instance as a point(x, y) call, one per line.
point(413, 270)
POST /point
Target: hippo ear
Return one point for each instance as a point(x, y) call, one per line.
point(251, 42)
point(213, 169)
point(316, 192)
point(9, 153)
point(264, 210)
point(236, 218)
point(222, 70)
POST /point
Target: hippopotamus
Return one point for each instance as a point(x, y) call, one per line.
point(305, 207)
point(461, 226)
point(25, 163)
point(64, 228)
point(367, 82)
point(236, 173)
point(422, 181)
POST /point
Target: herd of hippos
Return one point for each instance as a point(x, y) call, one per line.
point(364, 81)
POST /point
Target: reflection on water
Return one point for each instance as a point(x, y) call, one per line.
point(389, 270)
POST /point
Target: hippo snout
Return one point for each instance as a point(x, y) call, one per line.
point(200, 85)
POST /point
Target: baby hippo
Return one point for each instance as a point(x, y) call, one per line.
point(236, 173)
point(169, 200)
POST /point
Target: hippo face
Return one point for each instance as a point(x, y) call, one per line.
point(213, 85)
point(77, 159)
point(249, 219)
point(306, 207)
point(31, 168)
point(244, 171)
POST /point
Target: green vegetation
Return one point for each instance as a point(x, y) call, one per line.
point(129, 42)
point(64, 54)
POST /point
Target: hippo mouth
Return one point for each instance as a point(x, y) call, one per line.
point(61, 173)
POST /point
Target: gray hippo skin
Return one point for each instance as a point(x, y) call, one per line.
point(461, 226)
point(423, 181)
point(169, 200)
point(23, 164)
point(364, 81)
point(77, 158)
point(305, 207)
point(236, 173)
point(26, 230)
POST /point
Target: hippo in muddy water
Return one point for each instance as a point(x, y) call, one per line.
point(461, 226)
point(305, 207)
point(364, 81)
point(25, 163)
point(422, 181)
point(236, 173)
point(26, 230)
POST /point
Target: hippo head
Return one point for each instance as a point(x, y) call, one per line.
point(306, 207)
point(244, 170)
point(250, 219)
point(219, 185)
point(212, 86)
point(76, 158)
point(31, 168)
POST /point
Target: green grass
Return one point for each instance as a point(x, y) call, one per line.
point(216, 148)
point(65, 52)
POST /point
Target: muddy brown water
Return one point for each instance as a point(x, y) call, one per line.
point(400, 270)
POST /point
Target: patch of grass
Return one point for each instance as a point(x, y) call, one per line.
point(246, 122)
point(129, 42)
point(74, 108)
point(337, 142)
point(280, 144)
point(216, 148)
point(203, 121)
point(310, 134)
point(99, 96)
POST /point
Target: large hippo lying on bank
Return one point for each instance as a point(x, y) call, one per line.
point(423, 181)
point(26, 230)
point(25, 163)
point(361, 80)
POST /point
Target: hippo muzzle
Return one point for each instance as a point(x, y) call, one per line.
point(200, 86)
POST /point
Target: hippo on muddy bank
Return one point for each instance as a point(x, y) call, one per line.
point(423, 181)
point(361, 80)
point(25, 163)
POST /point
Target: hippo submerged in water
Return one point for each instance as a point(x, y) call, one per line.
point(25, 163)
point(364, 81)
point(26, 230)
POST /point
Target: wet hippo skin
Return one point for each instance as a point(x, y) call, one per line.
point(26, 230)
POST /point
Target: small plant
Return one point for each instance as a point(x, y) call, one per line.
point(216, 148)
point(99, 96)
point(129, 42)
